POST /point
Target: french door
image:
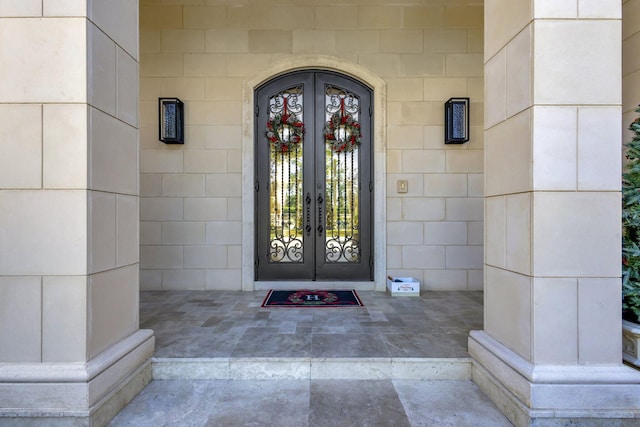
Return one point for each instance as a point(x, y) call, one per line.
point(313, 185)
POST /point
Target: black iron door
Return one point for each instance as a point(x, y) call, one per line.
point(314, 188)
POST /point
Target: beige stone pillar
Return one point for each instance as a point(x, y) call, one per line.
point(551, 347)
point(70, 346)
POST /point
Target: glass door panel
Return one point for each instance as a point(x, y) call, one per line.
point(313, 178)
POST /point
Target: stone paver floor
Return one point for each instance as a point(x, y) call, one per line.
point(198, 324)
point(315, 403)
point(220, 324)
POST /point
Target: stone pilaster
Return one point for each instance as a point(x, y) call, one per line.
point(550, 350)
point(70, 346)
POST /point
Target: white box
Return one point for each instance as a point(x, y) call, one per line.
point(403, 286)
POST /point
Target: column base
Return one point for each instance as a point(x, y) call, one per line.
point(554, 395)
point(76, 394)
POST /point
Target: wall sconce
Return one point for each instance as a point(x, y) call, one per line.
point(171, 120)
point(456, 121)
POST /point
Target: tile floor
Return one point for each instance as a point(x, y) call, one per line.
point(213, 324)
point(315, 403)
point(197, 324)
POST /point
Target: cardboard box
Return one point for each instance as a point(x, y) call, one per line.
point(403, 286)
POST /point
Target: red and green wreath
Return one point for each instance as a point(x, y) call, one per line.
point(342, 131)
point(285, 131)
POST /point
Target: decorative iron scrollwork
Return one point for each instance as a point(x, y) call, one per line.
point(342, 129)
point(285, 128)
point(284, 132)
point(342, 184)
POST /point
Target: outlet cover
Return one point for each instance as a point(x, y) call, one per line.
point(403, 186)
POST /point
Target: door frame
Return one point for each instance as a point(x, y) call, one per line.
point(378, 86)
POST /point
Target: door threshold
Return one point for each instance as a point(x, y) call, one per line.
point(308, 284)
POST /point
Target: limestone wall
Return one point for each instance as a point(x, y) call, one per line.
point(68, 179)
point(553, 92)
point(203, 52)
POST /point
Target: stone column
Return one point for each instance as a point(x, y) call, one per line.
point(551, 347)
point(70, 344)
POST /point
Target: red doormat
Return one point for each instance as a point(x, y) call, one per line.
point(312, 298)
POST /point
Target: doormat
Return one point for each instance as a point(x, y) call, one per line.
point(312, 298)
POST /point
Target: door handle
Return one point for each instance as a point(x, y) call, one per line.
point(308, 227)
point(320, 228)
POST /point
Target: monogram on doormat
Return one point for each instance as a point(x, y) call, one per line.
point(312, 298)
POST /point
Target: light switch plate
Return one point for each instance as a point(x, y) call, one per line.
point(403, 186)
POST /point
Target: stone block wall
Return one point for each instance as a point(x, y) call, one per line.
point(70, 347)
point(553, 177)
point(202, 52)
point(68, 179)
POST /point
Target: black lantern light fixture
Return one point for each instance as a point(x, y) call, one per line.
point(456, 121)
point(171, 120)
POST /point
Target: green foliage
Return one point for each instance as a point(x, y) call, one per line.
point(631, 223)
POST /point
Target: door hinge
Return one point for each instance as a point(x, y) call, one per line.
point(371, 260)
point(257, 186)
point(257, 110)
point(370, 111)
point(370, 186)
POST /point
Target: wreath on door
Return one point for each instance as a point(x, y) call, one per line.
point(284, 131)
point(342, 131)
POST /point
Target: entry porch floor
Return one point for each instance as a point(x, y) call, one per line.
point(219, 324)
point(223, 360)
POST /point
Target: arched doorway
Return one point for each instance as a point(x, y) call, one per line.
point(378, 135)
point(314, 178)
